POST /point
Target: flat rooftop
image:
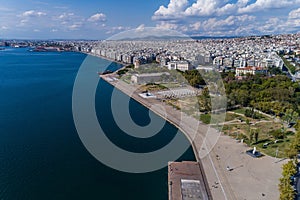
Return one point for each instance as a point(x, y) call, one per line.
point(151, 74)
point(187, 181)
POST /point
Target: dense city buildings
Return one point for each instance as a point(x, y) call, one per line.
point(256, 54)
point(253, 54)
point(243, 71)
point(224, 54)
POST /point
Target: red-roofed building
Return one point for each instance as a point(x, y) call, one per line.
point(243, 71)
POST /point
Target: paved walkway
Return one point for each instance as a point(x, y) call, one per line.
point(250, 179)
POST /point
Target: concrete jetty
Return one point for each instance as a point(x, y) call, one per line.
point(187, 181)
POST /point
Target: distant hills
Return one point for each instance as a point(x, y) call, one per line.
point(165, 37)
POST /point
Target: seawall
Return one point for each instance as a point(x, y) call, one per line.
point(173, 117)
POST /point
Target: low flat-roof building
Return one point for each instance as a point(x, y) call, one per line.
point(148, 78)
point(181, 65)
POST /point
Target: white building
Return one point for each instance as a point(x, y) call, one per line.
point(181, 65)
point(242, 71)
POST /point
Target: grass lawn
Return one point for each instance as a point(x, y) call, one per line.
point(171, 85)
point(218, 118)
point(126, 79)
point(275, 148)
point(239, 111)
point(152, 87)
point(243, 110)
point(242, 131)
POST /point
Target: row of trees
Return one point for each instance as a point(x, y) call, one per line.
point(252, 114)
point(193, 77)
point(286, 189)
point(274, 95)
point(287, 192)
point(294, 148)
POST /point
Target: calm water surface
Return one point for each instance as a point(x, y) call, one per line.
point(41, 155)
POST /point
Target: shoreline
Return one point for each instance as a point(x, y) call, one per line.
point(130, 91)
point(105, 58)
point(213, 165)
point(146, 104)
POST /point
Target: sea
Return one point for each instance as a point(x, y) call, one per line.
point(41, 154)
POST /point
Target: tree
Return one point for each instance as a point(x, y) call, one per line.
point(297, 125)
point(256, 133)
point(290, 116)
point(294, 147)
point(204, 100)
point(286, 191)
point(243, 97)
point(251, 136)
point(291, 151)
point(289, 169)
point(277, 134)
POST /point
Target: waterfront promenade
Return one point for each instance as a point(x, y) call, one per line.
point(249, 179)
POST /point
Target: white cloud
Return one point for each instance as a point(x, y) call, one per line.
point(75, 26)
point(294, 14)
point(140, 27)
point(4, 28)
point(274, 24)
point(203, 8)
point(65, 15)
point(115, 29)
point(98, 17)
point(173, 10)
point(31, 18)
point(167, 25)
point(230, 23)
point(33, 13)
point(22, 23)
point(266, 4)
point(219, 17)
point(195, 26)
point(178, 9)
point(293, 21)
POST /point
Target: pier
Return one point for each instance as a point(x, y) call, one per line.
point(187, 181)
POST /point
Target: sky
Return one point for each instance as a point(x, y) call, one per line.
point(100, 19)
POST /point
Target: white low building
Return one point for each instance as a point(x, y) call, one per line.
point(147, 78)
point(242, 71)
point(181, 65)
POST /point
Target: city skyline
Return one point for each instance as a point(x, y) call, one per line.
point(66, 19)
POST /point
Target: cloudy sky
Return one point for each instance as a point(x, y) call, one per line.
point(99, 19)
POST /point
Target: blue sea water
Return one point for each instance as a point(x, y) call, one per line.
point(41, 155)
